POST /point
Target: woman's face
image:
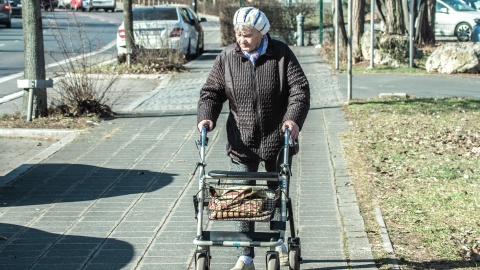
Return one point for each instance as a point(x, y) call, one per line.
point(248, 38)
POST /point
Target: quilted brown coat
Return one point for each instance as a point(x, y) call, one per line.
point(261, 97)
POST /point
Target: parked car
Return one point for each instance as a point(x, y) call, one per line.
point(64, 4)
point(49, 5)
point(77, 5)
point(454, 18)
point(5, 13)
point(106, 5)
point(164, 27)
point(16, 6)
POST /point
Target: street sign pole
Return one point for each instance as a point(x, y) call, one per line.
point(320, 26)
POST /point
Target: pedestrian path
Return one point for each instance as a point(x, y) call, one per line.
point(120, 196)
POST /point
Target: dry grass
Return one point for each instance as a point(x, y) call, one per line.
point(419, 161)
point(55, 121)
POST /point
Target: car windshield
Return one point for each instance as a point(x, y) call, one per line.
point(155, 14)
point(458, 5)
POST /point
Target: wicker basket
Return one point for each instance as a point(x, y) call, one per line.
point(247, 203)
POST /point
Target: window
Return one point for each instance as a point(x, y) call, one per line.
point(458, 5)
point(191, 15)
point(155, 14)
point(184, 16)
point(439, 6)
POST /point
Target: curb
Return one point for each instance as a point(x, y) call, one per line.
point(35, 133)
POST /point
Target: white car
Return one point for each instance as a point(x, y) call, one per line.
point(164, 27)
point(454, 18)
point(64, 4)
point(106, 5)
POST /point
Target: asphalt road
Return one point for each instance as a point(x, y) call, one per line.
point(432, 85)
point(66, 35)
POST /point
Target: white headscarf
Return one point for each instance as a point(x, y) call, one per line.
point(254, 17)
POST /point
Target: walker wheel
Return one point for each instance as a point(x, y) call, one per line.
point(201, 262)
point(294, 258)
point(272, 261)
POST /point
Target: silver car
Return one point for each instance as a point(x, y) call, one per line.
point(164, 28)
point(454, 18)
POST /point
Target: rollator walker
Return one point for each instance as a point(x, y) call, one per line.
point(220, 199)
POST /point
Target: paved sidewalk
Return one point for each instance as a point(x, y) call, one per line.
point(120, 196)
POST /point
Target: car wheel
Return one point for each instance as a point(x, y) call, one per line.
point(462, 31)
point(202, 49)
point(197, 50)
point(8, 24)
point(188, 56)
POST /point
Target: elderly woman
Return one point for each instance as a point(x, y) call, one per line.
point(267, 92)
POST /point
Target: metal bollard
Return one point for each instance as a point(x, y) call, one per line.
point(300, 22)
point(30, 86)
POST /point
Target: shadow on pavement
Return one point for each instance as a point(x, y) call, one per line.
point(58, 183)
point(56, 251)
point(206, 57)
point(213, 51)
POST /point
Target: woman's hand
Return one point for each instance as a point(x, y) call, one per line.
point(293, 127)
point(205, 122)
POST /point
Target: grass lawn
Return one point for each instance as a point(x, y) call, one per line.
point(419, 161)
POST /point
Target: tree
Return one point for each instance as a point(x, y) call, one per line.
point(34, 55)
point(358, 27)
point(390, 11)
point(406, 13)
point(342, 37)
point(381, 15)
point(426, 22)
point(424, 17)
point(128, 27)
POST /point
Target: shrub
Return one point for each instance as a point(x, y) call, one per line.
point(76, 91)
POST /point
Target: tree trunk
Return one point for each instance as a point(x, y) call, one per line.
point(395, 23)
point(358, 28)
point(34, 56)
point(406, 14)
point(426, 21)
point(378, 6)
point(342, 37)
point(128, 25)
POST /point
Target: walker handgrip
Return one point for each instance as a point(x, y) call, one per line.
point(286, 146)
point(287, 136)
point(203, 136)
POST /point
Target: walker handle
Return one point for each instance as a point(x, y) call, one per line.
point(286, 146)
point(203, 136)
